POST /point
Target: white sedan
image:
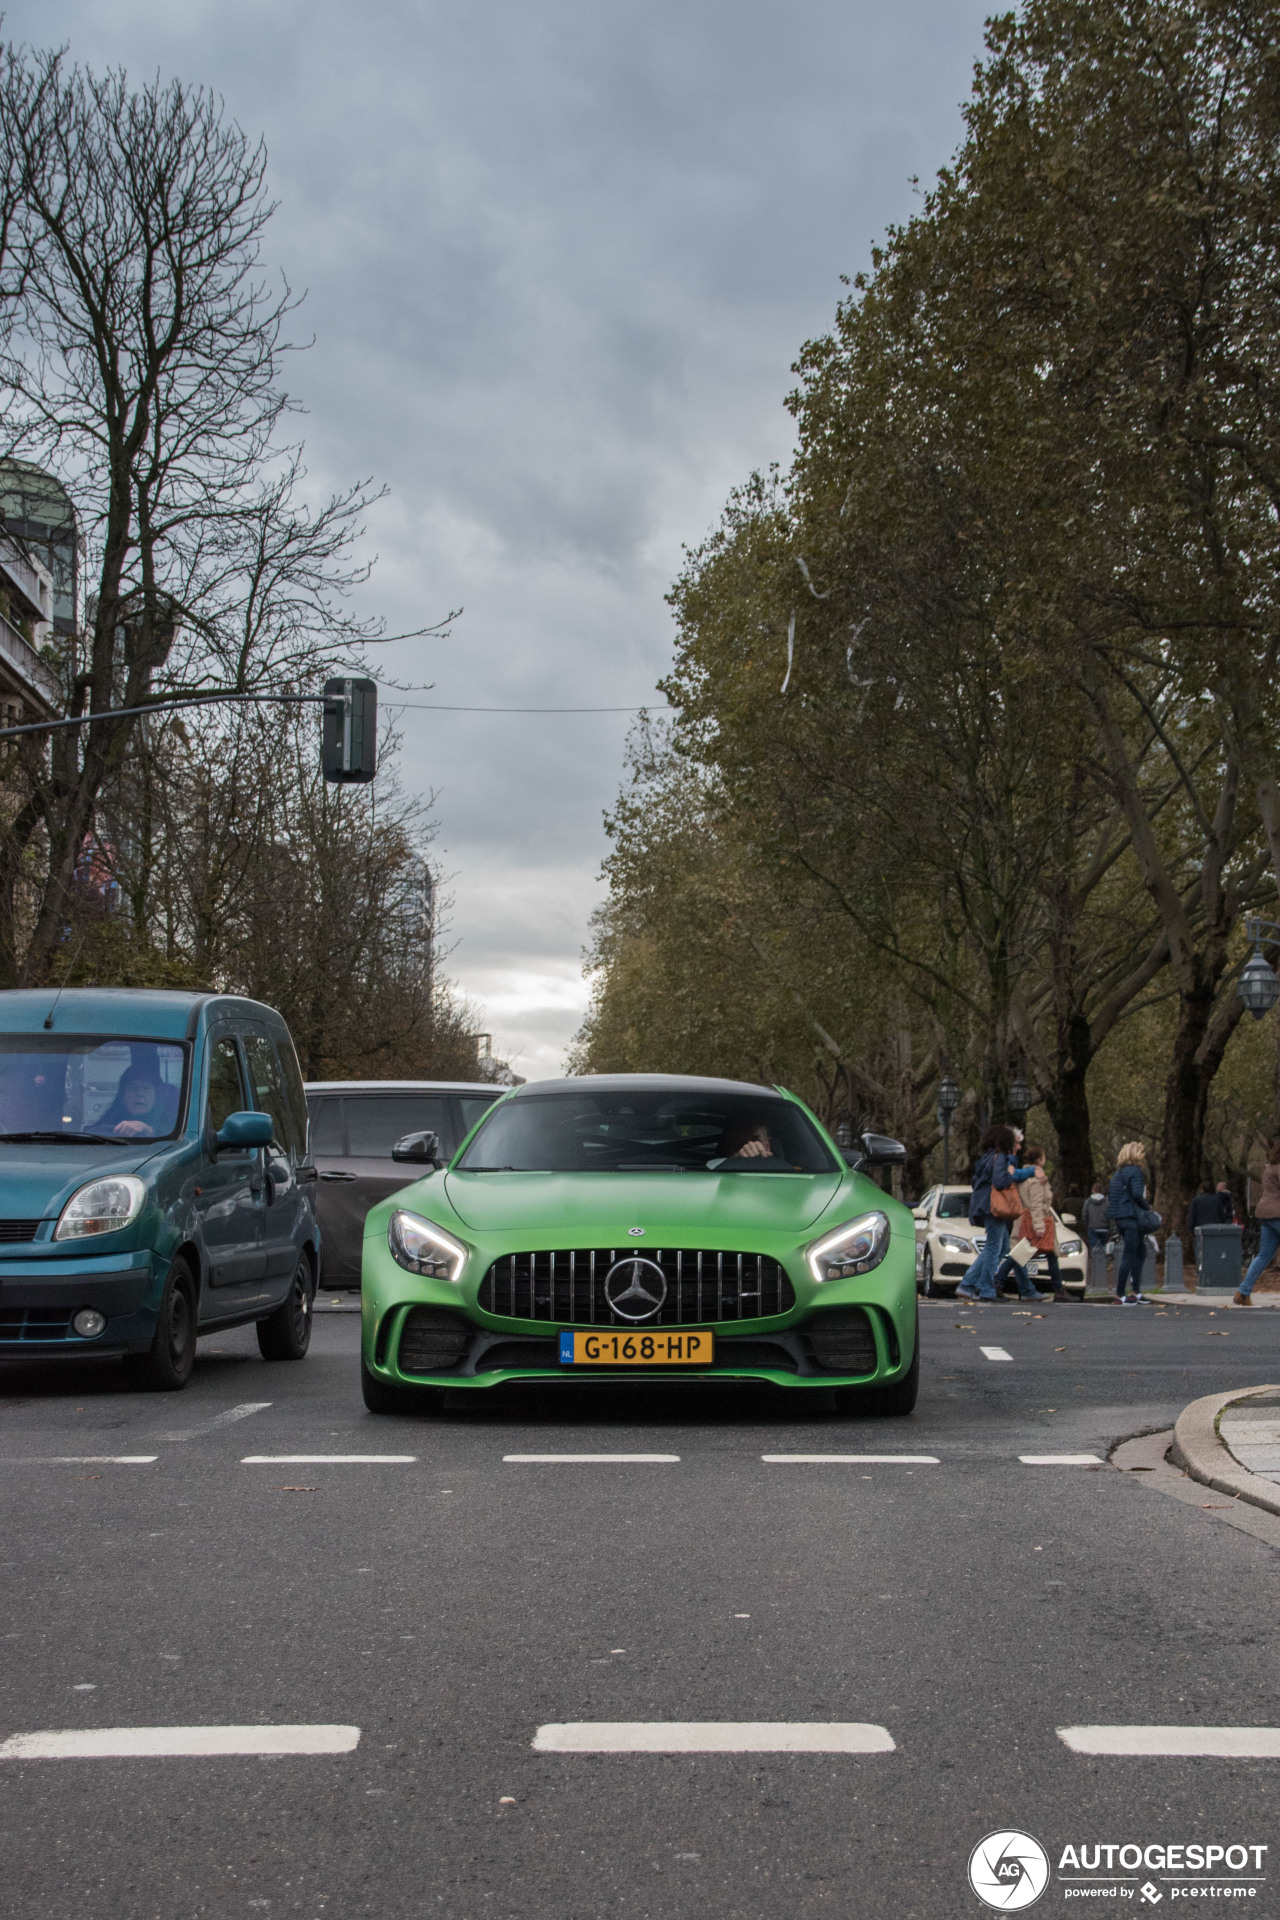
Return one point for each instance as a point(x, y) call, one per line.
point(947, 1246)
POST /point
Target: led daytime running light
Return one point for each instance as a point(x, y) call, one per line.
point(854, 1248)
point(423, 1247)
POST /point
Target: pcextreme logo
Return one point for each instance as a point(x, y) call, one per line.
point(1008, 1870)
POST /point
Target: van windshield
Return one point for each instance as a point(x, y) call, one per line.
point(79, 1086)
point(644, 1131)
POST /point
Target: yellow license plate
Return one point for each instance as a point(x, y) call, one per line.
point(620, 1349)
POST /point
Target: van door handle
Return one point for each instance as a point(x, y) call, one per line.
point(337, 1176)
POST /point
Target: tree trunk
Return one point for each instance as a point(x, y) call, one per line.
point(1068, 1103)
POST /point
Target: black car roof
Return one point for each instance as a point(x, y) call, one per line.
point(646, 1083)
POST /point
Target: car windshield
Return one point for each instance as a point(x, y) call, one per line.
point(644, 1130)
point(86, 1085)
point(954, 1206)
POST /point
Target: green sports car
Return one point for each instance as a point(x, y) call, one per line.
point(642, 1226)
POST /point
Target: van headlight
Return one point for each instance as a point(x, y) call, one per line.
point(423, 1247)
point(104, 1206)
point(854, 1248)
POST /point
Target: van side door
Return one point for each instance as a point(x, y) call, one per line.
point(231, 1183)
point(282, 1200)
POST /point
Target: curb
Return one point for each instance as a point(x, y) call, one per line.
point(1198, 1449)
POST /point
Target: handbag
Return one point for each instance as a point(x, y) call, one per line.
point(1006, 1202)
point(1149, 1219)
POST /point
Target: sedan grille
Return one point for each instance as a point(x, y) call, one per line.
point(569, 1287)
point(21, 1326)
point(15, 1230)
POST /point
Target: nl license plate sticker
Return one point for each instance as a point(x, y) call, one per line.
point(618, 1348)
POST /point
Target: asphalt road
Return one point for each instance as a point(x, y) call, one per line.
point(450, 1606)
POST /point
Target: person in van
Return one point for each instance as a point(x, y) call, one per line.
point(142, 1107)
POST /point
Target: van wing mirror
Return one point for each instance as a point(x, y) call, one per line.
point(421, 1149)
point(246, 1130)
point(881, 1150)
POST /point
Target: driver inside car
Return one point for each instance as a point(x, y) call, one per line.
point(747, 1139)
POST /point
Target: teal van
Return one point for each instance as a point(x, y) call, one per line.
point(156, 1178)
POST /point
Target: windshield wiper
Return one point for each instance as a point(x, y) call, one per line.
point(494, 1169)
point(77, 1139)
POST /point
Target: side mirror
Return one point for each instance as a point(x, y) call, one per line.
point(853, 1157)
point(246, 1130)
point(1067, 1219)
point(422, 1149)
point(879, 1150)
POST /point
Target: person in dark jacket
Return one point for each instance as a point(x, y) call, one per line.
point(996, 1167)
point(1204, 1210)
point(1126, 1204)
point(1095, 1218)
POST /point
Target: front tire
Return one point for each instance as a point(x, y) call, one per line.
point(892, 1401)
point(167, 1367)
point(286, 1334)
point(383, 1396)
point(926, 1273)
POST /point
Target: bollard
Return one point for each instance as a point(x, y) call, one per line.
point(1097, 1270)
point(1174, 1280)
point(1149, 1263)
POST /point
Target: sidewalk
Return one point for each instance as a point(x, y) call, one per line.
point(1251, 1430)
point(1217, 1297)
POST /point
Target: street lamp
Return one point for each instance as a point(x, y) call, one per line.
point(1257, 985)
point(1020, 1092)
point(948, 1101)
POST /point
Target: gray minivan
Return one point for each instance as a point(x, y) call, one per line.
point(355, 1124)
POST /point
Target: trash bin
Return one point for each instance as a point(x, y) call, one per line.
point(1219, 1257)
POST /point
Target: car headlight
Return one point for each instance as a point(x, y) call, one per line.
point(1071, 1246)
point(954, 1243)
point(104, 1206)
point(424, 1247)
point(854, 1248)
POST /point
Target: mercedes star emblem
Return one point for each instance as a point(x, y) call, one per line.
point(635, 1288)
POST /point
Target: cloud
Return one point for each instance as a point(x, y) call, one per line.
point(558, 261)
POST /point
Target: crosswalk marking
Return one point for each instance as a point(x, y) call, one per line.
point(1060, 1459)
point(995, 1353)
point(851, 1459)
point(590, 1459)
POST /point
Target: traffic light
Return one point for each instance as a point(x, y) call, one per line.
point(349, 730)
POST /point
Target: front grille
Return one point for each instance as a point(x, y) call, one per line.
point(11, 1230)
point(702, 1286)
point(841, 1341)
point(22, 1326)
point(432, 1340)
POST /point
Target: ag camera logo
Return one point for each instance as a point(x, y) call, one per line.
point(1008, 1870)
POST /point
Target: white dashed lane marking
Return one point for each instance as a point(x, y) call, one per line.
point(226, 1419)
point(712, 1736)
point(1060, 1459)
point(328, 1459)
point(590, 1459)
point(851, 1459)
point(1186, 1743)
point(84, 1460)
point(148, 1743)
point(995, 1353)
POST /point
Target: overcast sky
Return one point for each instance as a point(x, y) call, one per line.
point(559, 258)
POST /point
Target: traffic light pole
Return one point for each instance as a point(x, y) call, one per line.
point(350, 723)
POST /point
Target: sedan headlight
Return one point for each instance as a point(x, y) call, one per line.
point(104, 1206)
point(1071, 1246)
point(955, 1243)
point(854, 1248)
point(424, 1247)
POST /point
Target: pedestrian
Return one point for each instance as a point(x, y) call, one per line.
point(1267, 1213)
point(1226, 1206)
point(1094, 1217)
point(1039, 1229)
point(992, 1206)
point(1205, 1210)
point(1128, 1209)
